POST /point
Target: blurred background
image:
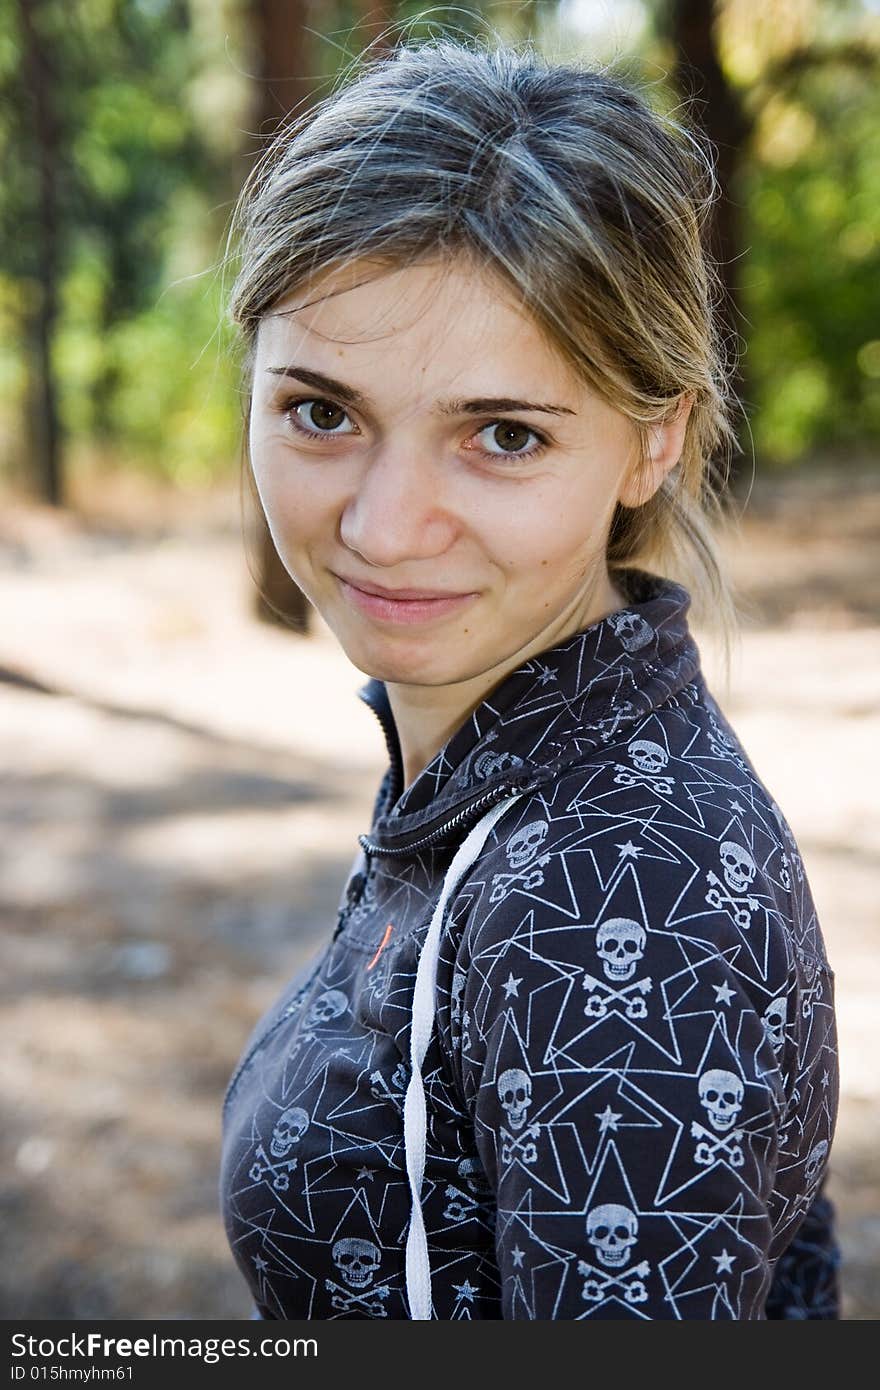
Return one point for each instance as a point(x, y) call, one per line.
point(185, 766)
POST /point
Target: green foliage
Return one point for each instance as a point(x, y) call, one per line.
point(153, 131)
point(138, 353)
point(173, 405)
point(811, 276)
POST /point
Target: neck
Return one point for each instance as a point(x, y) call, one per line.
point(426, 716)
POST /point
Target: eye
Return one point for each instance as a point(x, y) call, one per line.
point(510, 436)
point(320, 419)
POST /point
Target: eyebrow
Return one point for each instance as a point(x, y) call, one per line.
point(480, 405)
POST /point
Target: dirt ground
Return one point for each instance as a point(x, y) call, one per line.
point(181, 794)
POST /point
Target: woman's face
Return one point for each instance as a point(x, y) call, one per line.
point(416, 431)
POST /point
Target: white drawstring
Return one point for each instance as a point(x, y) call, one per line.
point(418, 1268)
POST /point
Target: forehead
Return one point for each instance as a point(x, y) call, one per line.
point(437, 321)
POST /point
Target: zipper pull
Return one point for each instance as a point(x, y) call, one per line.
point(382, 944)
point(353, 891)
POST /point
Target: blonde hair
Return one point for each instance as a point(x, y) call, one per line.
point(588, 204)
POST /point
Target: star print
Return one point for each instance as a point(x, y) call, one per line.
point(465, 1290)
point(560, 1036)
point(629, 850)
point(723, 993)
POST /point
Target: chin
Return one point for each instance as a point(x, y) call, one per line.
point(424, 664)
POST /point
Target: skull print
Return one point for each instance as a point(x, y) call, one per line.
point(612, 1231)
point(326, 1007)
point(289, 1129)
point(815, 1160)
point(524, 845)
point(721, 1095)
point(488, 762)
point(647, 755)
point(620, 943)
point(631, 629)
point(515, 1094)
point(774, 1022)
point(738, 865)
point(357, 1261)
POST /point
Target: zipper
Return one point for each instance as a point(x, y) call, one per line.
point(370, 847)
point(496, 794)
point(289, 1008)
point(355, 889)
point(389, 732)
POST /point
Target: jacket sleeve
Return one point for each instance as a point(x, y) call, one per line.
point(625, 1094)
point(806, 1282)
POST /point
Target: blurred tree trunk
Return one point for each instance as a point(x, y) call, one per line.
point(42, 427)
point(375, 17)
point(285, 82)
point(715, 105)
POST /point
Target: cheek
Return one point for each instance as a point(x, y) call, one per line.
point(297, 499)
point(554, 535)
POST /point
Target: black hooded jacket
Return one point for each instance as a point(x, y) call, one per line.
point(627, 1090)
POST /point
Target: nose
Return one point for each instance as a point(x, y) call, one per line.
point(396, 513)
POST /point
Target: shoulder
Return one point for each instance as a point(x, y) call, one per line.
point(650, 844)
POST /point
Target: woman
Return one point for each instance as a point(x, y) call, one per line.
point(571, 1049)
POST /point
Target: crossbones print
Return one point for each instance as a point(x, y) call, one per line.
point(280, 1169)
point(813, 993)
point(382, 1091)
point(521, 1147)
point(784, 873)
point(529, 878)
point(722, 745)
point(597, 1005)
point(344, 1300)
point(599, 1281)
point(609, 726)
point(461, 1206)
point(719, 896)
point(631, 777)
point(814, 981)
point(710, 1143)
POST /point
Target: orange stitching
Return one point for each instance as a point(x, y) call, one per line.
point(382, 945)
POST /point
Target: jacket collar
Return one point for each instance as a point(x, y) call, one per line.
point(547, 714)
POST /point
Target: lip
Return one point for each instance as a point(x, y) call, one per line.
point(400, 595)
point(388, 606)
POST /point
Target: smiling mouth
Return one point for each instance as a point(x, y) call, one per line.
point(402, 595)
point(391, 608)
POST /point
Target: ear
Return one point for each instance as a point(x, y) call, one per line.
point(664, 446)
